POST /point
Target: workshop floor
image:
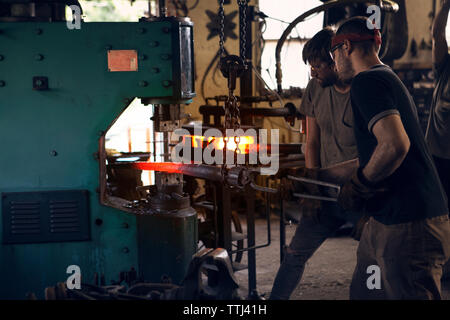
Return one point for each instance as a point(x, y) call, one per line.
point(327, 275)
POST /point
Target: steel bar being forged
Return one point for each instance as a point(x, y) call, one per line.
point(235, 176)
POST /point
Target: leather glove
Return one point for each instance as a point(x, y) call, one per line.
point(312, 173)
point(289, 187)
point(355, 193)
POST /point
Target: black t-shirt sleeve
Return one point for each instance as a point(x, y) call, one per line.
point(373, 99)
point(440, 67)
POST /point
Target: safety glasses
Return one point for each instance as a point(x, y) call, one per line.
point(332, 50)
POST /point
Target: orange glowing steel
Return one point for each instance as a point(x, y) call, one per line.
point(244, 142)
point(169, 167)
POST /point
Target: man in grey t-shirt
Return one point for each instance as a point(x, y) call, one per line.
point(328, 109)
point(330, 142)
point(438, 131)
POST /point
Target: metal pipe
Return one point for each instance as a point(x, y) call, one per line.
point(246, 99)
point(234, 176)
point(195, 170)
point(268, 112)
point(251, 241)
point(387, 5)
point(282, 231)
point(257, 112)
point(289, 148)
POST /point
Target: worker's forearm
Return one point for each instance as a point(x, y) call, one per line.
point(312, 152)
point(384, 161)
point(312, 155)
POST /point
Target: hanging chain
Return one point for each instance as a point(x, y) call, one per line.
point(229, 107)
point(222, 29)
point(232, 67)
point(243, 4)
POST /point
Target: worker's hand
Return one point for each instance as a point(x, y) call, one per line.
point(310, 173)
point(309, 208)
point(291, 186)
point(355, 193)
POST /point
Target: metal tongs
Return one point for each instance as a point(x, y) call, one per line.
point(316, 182)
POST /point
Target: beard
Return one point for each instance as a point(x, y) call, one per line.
point(348, 72)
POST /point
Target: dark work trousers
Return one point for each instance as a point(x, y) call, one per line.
point(308, 237)
point(443, 168)
point(410, 257)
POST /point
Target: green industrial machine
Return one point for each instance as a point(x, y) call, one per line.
point(60, 91)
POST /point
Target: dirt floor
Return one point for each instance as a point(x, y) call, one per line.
point(327, 275)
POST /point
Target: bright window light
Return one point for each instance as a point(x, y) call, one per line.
point(295, 72)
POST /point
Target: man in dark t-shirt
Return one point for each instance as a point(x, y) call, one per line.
point(438, 130)
point(407, 239)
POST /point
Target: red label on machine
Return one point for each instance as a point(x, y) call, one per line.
point(122, 60)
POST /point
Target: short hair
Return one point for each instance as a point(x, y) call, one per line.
point(358, 25)
point(318, 47)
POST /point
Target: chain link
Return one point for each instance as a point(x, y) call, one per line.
point(243, 4)
point(222, 28)
point(228, 108)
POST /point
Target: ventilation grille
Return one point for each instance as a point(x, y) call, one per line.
point(64, 216)
point(25, 218)
point(51, 216)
